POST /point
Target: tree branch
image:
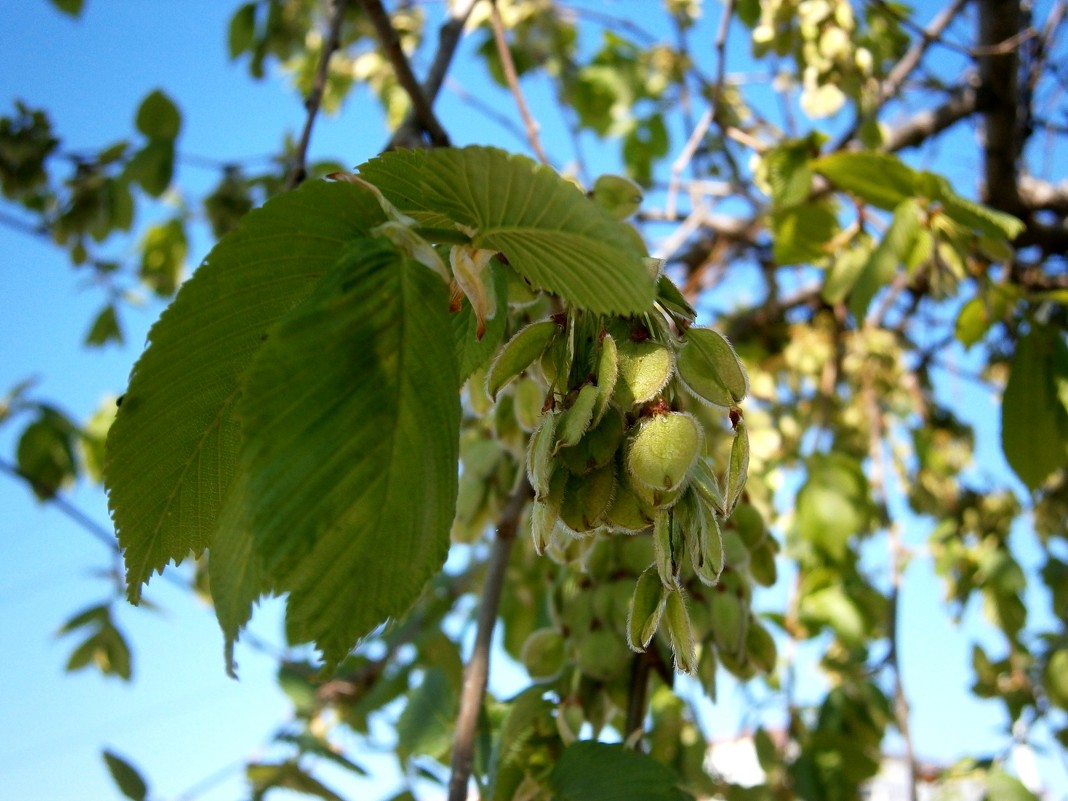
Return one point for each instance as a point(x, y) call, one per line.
point(477, 672)
point(508, 65)
point(926, 124)
point(408, 134)
point(387, 37)
point(315, 99)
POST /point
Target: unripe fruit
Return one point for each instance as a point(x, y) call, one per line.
point(711, 370)
point(607, 375)
point(662, 549)
point(703, 479)
point(602, 654)
point(575, 421)
point(628, 512)
point(735, 553)
point(644, 369)
point(598, 447)
point(520, 352)
point(646, 610)
point(762, 565)
point(680, 633)
point(539, 454)
point(617, 195)
point(729, 623)
point(664, 449)
point(529, 399)
point(760, 647)
point(586, 499)
point(738, 471)
point(543, 653)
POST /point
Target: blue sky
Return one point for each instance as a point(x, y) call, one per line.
point(182, 720)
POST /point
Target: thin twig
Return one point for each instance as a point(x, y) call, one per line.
point(387, 37)
point(889, 88)
point(684, 159)
point(448, 40)
point(510, 76)
point(477, 671)
point(315, 98)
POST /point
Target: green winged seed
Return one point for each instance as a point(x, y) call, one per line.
point(680, 633)
point(586, 499)
point(729, 622)
point(628, 512)
point(644, 369)
point(597, 447)
point(542, 522)
point(522, 349)
point(646, 610)
point(540, 452)
point(738, 470)
point(529, 399)
point(710, 368)
point(711, 552)
point(665, 562)
point(617, 195)
point(664, 449)
point(760, 647)
point(762, 565)
point(543, 653)
point(703, 540)
point(735, 553)
point(607, 375)
point(703, 479)
point(575, 421)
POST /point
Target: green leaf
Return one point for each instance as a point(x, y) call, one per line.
point(1034, 421)
point(163, 257)
point(351, 412)
point(1000, 786)
point(173, 449)
point(287, 775)
point(844, 271)
point(69, 7)
point(880, 179)
point(833, 505)
point(551, 233)
point(802, 233)
point(242, 30)
point(105, 328)
point(152, 167)
point(158, 117)
point(126, 777)
point(888, 255)
point(617, 195)
point(425, 725)
point(982, 219)
point(45, 453)
point(98, 613)
point(592, 771)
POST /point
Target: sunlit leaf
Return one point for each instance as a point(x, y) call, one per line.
point(880, 179)
point(592, 771)
point(173, 448)
point(550, 232)
point(369, 354)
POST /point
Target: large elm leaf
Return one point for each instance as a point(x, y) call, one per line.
point(550, 232)
point(173, 449)
point(880, 179)
point(592, 771)
point(351, 419)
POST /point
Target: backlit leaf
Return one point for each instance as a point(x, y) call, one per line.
point(551, 233)
point(126, 777)
point(173, 448)
point(158, 117)
point(351, 413)
point(880, 179)
point(592, 771)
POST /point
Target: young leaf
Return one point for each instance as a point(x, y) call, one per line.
point(592, 771)
point(551, 233)
point(126, 777)
point(880, 179)
point(351, 412)
point(172, 451)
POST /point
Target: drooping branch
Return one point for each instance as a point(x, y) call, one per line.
point(421, 106)
point(477, 671)
point(314, 101)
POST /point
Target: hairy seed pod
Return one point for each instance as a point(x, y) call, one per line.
point(663, 450)
point(602, 655)
point(762, 564)
point(729, 623)
point(702, 536)
point(665, 562)
point(746, 520)
point(628, 512)
point(521, 351)
point(586, 499)
point(760, 647)
point(644, 369)
point(711, 370)
point(598, 447)
point(680, 633)
point(617, 195)
point(607, 375)
point(539, 454)
point(529, 400)
point(735, 553)
point(645, 611)
point(703, 479)
point(738, 470)
point(575, 421)
point(543, 653)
